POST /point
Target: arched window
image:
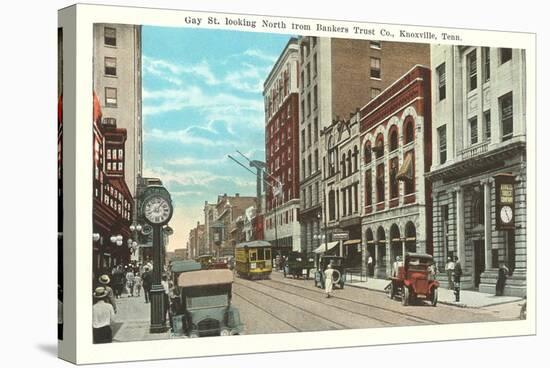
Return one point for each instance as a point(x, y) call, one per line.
point(393, 139)
point(368, 153)
point(355, 154)
point(409, 131)
point(379, 146)
point(343, 165)
point(380, 183)
point(349, 162)
point(368, 188)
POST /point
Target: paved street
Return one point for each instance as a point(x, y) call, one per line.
point(294, 305)
point(291, 305)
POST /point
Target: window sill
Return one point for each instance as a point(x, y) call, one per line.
point(376, 79)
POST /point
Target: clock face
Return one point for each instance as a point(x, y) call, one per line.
point(506, 214)
point(157, 210)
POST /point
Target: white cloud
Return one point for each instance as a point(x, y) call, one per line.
point(185, 137)
point(195, 177)
point(193, 161)
point(260, 55)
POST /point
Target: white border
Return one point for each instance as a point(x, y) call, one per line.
point(162, 349)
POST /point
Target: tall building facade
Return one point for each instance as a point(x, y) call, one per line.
point(396, 154)
point(479, 171)
point(117, 83)
point(341, 182)
point(210, 216)
point(337, 77)
point(282, 228)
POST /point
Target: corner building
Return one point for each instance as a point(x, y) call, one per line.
point(479, 131)
point(282, 229)
point(337, 77)
point(396, 154)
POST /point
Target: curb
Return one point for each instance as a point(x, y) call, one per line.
point(450, 303)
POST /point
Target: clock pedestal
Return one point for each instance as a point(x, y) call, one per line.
point(158, 322)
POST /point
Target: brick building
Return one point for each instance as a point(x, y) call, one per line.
point(282, 228)
point(395, 155)
point(228, 209)
point(479, 130)
point(338, 76)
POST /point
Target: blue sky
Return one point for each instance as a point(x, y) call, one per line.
point(202, 100)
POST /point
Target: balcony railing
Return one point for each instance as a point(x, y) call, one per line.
point(473, 151)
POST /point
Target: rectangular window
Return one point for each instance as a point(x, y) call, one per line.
point(374, 92)
point(316, 160)
point(303, 169)
point(303, 110)
point(315, 98)
point(315, 129)
point(441, 81)
point(442, 136)
point(316, 193)
point(394, 186)
point(314, 65)
point(368, 188)
point(505, 55)
point(308, 69)
point(486, 64)
point(506, 116)
point(309, 165)
point(108, 154)
point(109, 122)
point(110, 97)
point(308, 104)
point(375, 68)
point(110, 66)
point(303, 81)
point(473, 129)
point(309, 135)
point(487, 124)
point(110, 36)
point(472, 70)
point(375, 45)
point(120, 166)
point(344, 202)
point(303, 140)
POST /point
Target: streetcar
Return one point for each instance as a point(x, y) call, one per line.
point(253, 259)
point(205, 260)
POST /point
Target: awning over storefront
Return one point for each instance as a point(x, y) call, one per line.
point(406, 170)
point(352, 242)
point(325, 247)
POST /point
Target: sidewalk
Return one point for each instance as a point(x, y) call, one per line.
point(133, 320)
point(468, 298)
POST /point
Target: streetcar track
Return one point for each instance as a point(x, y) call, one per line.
point(319, 302)
point(415, 318)
point(268, 312)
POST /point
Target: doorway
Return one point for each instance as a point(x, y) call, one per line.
point(479, 261)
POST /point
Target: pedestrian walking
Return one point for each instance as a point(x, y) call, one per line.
point(398, 263)
point(457, 274)
point(147, 282)
point(137, 284)
point(166, 295)
point(104, 282)
point(503, 272)
point(449, 269)
point(329, 280)
point(118, 281)
point(103, 315)
point(370, 265)
point(130, 282)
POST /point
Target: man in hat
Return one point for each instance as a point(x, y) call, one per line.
point(104, 280)
point(147, 282)
point(103, 316)
point(449, 268)
point(457, 274)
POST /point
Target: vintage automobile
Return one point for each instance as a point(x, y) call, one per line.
point(205, 305)
point(253, 259)
point(296, 263)
point(176, 268)
point(339, 274)
point(413, 280)
point(205, 260)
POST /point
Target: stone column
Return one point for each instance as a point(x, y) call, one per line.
point(376, 260)
point(460, 245)
point(488, 222)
